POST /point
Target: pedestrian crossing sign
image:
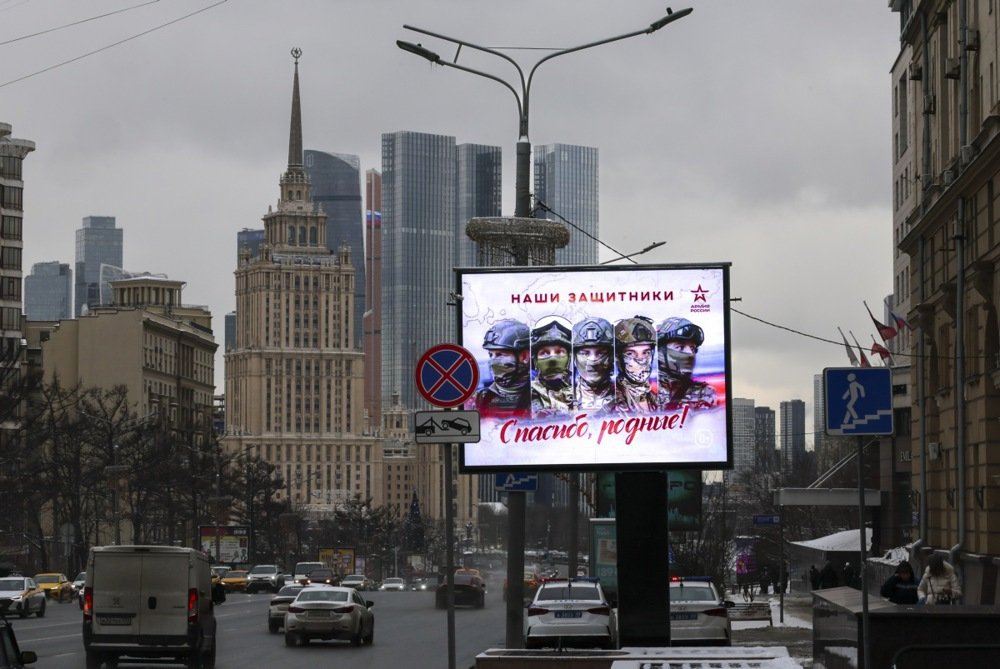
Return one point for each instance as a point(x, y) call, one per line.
point(858, 401)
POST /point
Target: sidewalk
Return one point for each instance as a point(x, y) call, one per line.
point(794, 633)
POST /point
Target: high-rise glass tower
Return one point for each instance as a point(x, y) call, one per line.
point(566, 183)
point(743, 434)
point(12, 154)
point(250, 238)
point(336, 187)
point(420, 192)
point(479, 194)
point(793, 436)
point(98, 242)
point(48, 292)
point(764, 438)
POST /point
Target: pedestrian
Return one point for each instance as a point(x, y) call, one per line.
point(814, 577)
point(940, 583)
point(848, 575)
point(901, 587)
point(828, 576)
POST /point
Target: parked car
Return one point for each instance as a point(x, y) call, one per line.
point(393, 584)
point(11, 656)
point(570, 613)
point(235, 580)
point(470, 590)
point(278, 606)
point(24, 594)
point(55, 585)
point(265, 577)
point(698, 614)
point(321, 576)
point(78, 584)
point(356, 581)
point(329, 613)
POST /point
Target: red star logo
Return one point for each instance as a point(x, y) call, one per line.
point(699, 294)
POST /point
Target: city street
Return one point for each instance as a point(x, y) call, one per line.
point(409, 632)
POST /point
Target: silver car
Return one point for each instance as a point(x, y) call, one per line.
point(329, 613)
point(26, 597)
point(278, 607)
point(697, 613)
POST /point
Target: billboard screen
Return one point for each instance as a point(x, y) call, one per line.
point(598, 367)
point(683, 499)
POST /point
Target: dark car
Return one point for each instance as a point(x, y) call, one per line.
point(11, 657)
point(470, 590)
point(321, 575)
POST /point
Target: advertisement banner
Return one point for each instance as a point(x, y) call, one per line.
point(341, 560)
point(683, 499)
point(598, 367)
point(228, 544)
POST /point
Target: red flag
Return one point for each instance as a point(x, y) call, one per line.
point(882, 351)
point(887, 332)
point(900, 321)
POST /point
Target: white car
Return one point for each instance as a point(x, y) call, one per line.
point(697, 613)
point(329, 612)
point(25, 595)
point(264, 577)
point(570, 613)
point(278, 606)
point(393, 583)
point(356, 581)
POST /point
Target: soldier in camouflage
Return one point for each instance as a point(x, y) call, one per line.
point(678, 340)
point(509, 394)
point(551, 391)
point(593, 344)
point(635, 339)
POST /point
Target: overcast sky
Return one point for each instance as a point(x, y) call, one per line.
point(756, 133)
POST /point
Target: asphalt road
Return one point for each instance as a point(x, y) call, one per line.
point(409, 632)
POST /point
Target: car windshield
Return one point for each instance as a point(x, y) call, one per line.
point(564, 591)
point(692, 593)
point(321, 573)
point(235, 574)
point(263, 569)
point(82, 576)
point(47, 578)
point(290, 590)
point(353, 579)
point(322, 596)
point(393, 581)
point(305, 567)
point(10, 584)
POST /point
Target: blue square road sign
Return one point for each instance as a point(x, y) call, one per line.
point(858, 401)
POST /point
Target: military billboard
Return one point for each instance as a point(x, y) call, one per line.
point(600, 367)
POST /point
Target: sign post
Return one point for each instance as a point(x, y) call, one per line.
point(859, 402)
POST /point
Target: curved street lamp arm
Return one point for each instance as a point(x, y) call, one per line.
point(653, 27)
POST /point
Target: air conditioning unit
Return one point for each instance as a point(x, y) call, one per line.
point(952, 68)
point(972, 40)
point(967, 153)
point(929, 103)
point(916, 71)
point(948, 177)
point(933, 450)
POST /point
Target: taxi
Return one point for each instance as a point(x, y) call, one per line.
point(56, 586)
point(236, 580)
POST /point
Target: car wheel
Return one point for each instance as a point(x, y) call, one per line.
point(208, 659)
point(22, 612)
point(40, 613)
point(194, 660)
point(93, 660)
point(369, 639)
point(356, 639)
point(273, 626)
point(292, 639)
point(482, 601)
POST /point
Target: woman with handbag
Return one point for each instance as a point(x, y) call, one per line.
point(940, 583)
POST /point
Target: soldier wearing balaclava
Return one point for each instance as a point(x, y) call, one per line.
point(678, 340)
point(509, 394)
point(593, 346)
point(551, 391)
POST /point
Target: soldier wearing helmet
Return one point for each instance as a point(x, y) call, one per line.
point(635, 341)
point(551, 391)
point(593, 344)
point(678, 340)
point(508, 394)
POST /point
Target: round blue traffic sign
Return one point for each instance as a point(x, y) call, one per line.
point(447, 375)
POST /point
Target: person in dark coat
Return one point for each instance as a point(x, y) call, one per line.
point(814, 577)
point(828, 576)
point(901, 587)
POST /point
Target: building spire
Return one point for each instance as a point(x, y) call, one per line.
point(295, 133)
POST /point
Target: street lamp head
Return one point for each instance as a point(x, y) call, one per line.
point(419, 50)
point(671, 16)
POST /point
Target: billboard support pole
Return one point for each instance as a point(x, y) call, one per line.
point(515, 569)
point(449, 560)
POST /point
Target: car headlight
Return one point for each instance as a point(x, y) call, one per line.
point(17, 598)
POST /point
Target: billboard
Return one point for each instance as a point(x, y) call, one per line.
point(683, 499)
point(598, 367)
point(228, 544)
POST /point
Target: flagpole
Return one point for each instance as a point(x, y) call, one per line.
point(847, 347)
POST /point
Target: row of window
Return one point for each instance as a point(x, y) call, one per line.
point(11, 197)
point(11, 227)
point(10, 167)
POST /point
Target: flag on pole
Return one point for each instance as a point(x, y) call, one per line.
point(900, 321)
point(887, 332)
point(864, 359)
point(850, 351)
point(883, 352)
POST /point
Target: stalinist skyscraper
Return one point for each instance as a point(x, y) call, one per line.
point(294, 380)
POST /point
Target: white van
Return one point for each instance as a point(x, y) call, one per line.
point(148, 602)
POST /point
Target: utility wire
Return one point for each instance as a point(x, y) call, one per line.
point(544, 207)
point(109, 46)
point(76, 23)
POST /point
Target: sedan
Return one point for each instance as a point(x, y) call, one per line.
point(327, 612)
point(697, 613)
point(570, 613)
point(320, 576)
point(26, 597)
point(392, 583)
point(56, 586)
point(470, 590)
point(278, 607)
point(235, 580)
